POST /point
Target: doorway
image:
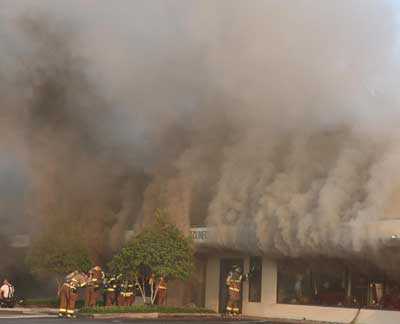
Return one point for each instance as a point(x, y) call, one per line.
point(225, 266)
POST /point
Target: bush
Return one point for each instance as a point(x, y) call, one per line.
point(145, 309)
point(160, 249)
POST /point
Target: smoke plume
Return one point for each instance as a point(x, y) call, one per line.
point(273, 122)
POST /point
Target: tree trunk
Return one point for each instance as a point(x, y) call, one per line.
point(142, 290)
point(153, 298)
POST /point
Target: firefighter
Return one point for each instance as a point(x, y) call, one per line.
point(96, 278)
point(126, 296)
point(111, 289)
point(234, 283)
point(162, 292)
point(68, 293)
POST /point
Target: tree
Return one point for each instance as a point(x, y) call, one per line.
point(57, 255)
point(160, 249)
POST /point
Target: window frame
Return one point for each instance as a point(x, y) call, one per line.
point(255, 283)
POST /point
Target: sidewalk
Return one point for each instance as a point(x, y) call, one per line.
point(40, 311)
point(181, 316)
point(37, 312)
point(28, 311)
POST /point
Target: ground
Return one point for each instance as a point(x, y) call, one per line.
point(7, 320)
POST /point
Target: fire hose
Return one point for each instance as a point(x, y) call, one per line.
point(354, 320)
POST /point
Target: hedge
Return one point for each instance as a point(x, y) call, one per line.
point(145, 309)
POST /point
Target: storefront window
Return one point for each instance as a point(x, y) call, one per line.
point(329, 286)
point(255, 279)
point(369, 289)
point(330, 283)
point(376, 291)
point(359, 289)
point(391, 296)
point(294, 283)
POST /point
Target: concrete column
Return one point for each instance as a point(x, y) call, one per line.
point(269, 282)
point(246, 269)
point(212, 283)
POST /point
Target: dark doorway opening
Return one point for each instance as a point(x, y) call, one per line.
point(225, 266)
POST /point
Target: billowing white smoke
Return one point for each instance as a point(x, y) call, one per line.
point(311, 193)
point(316, 162)
point(276, 122)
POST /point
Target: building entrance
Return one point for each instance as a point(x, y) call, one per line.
point(225, 266)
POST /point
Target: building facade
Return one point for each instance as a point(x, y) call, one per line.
point(320, 290)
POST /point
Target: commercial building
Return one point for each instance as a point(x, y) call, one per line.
point(320, 289)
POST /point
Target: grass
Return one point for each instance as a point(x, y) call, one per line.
point(145, 309)
point(49, 302)
point(54, 303)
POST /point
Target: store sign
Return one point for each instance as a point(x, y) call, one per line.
point(20, 241)
point(199, 234)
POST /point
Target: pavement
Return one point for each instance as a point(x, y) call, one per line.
point(32, 320)
point(49, 316)
point(28, 311)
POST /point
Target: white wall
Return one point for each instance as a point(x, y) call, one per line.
point(212, 283)
point(330, 314)
point(269, 283)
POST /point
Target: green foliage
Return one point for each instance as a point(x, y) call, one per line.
point(145, 309)
point(161, 248)
point(50, 254)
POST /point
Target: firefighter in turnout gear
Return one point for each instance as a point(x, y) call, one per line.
point(96, 277)
point(111, 287)
point(162, 292)
point(234, 284)
point(126, 296)
point(68, 293)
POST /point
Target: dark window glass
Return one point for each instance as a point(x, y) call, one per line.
point(330, 284)
point(255, 279)
point(294, 283)
point(368, 289)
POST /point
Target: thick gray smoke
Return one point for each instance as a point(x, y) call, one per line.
point(275, 122)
